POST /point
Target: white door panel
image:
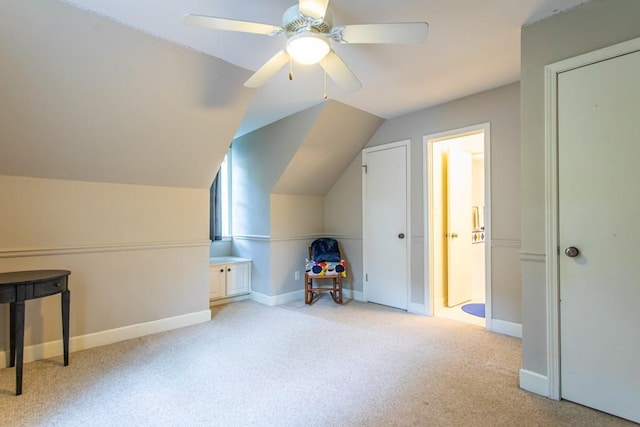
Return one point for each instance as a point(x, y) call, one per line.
point(599, 210)
point(385, 219)
point(459, 225)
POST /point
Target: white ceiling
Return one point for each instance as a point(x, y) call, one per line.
point(472, 46)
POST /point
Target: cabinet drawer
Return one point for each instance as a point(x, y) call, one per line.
point(50, 288)
point(7, 293)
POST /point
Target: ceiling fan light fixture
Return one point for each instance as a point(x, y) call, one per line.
point(308, 48)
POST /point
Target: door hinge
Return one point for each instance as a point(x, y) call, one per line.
point(365, 168)
point(558, 248)
point(366, 277)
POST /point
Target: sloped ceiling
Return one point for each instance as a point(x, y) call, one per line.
point(336, 137)
point(85, 98)
point(473, 46)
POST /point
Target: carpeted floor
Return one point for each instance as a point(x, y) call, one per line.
point(293, 365)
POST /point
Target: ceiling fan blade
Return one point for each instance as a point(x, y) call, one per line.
point(409, 32)
point(268, 70)
point(231, 25)
point(339, 72)
point(313, 8)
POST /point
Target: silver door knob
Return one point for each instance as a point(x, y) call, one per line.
point(571, 252)
point(401, 236)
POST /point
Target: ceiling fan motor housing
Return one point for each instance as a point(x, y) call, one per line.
point(294, 22)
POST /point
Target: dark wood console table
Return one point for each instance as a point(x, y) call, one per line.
point(19, 286)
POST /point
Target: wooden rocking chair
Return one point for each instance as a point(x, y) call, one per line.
point(324, 269)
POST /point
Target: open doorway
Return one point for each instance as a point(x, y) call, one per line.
point(457, 225)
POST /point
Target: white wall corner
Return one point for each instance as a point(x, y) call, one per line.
point(506, 328)
point(534, 382)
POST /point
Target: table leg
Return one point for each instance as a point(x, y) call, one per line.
point(19, 344)
point(12, 334)
point(66, 301)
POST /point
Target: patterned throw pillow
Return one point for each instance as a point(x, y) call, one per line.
point(324, 268)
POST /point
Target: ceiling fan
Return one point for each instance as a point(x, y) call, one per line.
point(309, 29)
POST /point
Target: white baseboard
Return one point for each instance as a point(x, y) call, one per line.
point(277, 299)
point(83, 342)
point(534, 382)
point(355, 295)
point(227, 300)
point(297, 295)
point(506, 328)
point(417, 309)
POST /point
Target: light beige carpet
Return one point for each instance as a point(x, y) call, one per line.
point(294, 365)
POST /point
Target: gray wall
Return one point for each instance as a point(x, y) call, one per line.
point(84, 98)
point(259, 159)
point(109, 140)
point(343, 220)
point(501, 108)
point(583, 29)
point(281, 173)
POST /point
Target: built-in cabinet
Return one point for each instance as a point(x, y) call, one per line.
point(229, 277)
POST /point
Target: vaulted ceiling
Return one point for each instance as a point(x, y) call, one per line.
point(472, 46)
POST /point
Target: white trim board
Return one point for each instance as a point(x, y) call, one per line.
point(551, 197)
point(427, 179)
point(104, 247)
point(533, 382)
point(265, 238)
point(272, 301)
point(506, 328)
point(417, 308)
point(83, 342)
point(227, 300)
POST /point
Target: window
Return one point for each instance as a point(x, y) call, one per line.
point(220, 212)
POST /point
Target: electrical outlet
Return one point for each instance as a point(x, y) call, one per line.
point(296, 275)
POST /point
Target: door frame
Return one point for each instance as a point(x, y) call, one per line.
point(427, 185)
point(407, 144)
point(552, 248)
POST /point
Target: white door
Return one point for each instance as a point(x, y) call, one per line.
point(599, 212)
point(459, 225)
point(238, 278)
point(386, 234)
point(217, 276)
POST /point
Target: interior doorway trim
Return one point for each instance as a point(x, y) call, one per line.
point(427, 180)
point(551, 72)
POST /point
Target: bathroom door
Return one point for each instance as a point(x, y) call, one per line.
point(459, 226)
point(599, 211)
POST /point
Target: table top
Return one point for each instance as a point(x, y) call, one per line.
point(31, 276)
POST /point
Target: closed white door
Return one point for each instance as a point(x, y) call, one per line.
point(386, 234)
point(599, 214)
point(238, 278)
point(459, 225)
point(217, 274)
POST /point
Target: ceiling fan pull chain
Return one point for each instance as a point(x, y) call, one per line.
point(324, 61)
point(290, 68)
